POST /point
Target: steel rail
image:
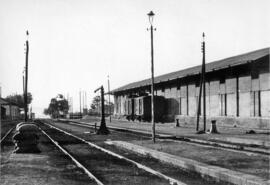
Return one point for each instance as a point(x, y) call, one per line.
point(150, 170)
point(223, 146)
point(89, 174)
point(4, 137)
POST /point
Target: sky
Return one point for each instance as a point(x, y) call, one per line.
point(76, 45)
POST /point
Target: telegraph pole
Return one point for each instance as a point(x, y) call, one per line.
point(199, 105)
point(26, 79)
point(202, 87)
point(109, 98)
point(80, 104)
point(204, 93)
point(85, 99)
point(71, 99)
point(23, 84)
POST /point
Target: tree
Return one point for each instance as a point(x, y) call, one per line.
point(58, 107)
point(19, 99)
point(95, 102)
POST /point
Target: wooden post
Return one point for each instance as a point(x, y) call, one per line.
point(109, 99)
point(199, 105)
point(80, 104)
point(202, 87)
point(204, 92)
point(26, 80)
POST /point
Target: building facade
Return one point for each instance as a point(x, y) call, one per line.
point(9, 110)
point(237, 92)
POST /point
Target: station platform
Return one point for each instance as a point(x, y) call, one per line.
point(234, 135)
point(233, 166)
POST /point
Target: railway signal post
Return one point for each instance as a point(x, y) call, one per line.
point(103, 128)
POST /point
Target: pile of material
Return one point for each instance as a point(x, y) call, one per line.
point(26, 138)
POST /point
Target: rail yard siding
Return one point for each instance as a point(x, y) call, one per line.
point(235, 95)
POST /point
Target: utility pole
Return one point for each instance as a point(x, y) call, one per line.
point(202, 86)
point(26, 79)
point(85, 99)
point(0, 104)
point(23, 84)
point(151, 17)
point(103, 128)
point(204, 92)
point(80, 104)
point(71, 98)
point(199, 105)
point(109, 98)
point(82, 101)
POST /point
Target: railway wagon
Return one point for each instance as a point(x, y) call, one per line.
point(142, 108)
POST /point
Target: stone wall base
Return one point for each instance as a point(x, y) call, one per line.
point(247, 123)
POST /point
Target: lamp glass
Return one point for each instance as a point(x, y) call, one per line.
point(151, 17)
point(27, 35)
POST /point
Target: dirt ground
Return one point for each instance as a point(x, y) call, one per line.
point(50, 167)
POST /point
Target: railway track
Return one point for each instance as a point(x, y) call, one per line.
point(134, 168)
point(101, 165)
point(230, 147)
point(7, 134)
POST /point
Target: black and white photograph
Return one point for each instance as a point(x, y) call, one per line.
point(135, 92)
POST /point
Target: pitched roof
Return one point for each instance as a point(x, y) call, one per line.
point(6, 102)
point(216, 65)
point(3, 101)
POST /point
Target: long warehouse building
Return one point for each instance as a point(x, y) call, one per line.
point(237, 92)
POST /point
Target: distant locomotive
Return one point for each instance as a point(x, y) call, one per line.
point(139, 108)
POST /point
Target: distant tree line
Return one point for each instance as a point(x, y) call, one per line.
point(18, 99)
point(58, 107)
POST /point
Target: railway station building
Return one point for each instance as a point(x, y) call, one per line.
point(9, 110)
point(237, 92)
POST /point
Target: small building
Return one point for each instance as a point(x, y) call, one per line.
point(9, 110)
point(237, 92)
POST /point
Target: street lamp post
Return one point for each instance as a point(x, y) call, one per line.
point(151, 18)
point(26, 79)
